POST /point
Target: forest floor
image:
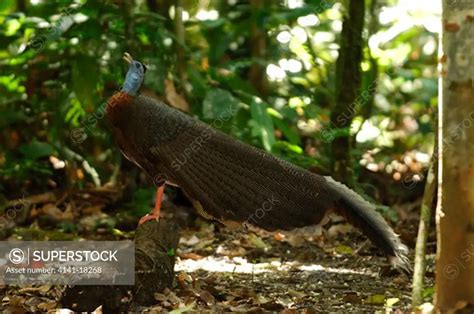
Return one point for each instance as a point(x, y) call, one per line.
point(331, 269)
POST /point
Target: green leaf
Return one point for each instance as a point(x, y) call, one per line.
point(90, 29)
point(6, 6)
point(218, 36)
point(75, 112)
point(428, 292)
point(198, 81)
point(287, 131)
point(210, 24)
point(12, 26)
point(285, 15)
point(288, 147)
point(262, 124)
point(219, 104)
point(344, 249)
point(155, 77)
point(35, 150)
point(85, 76)
point(234, 83)
point(140, 205)
point(375, 299)
point(11, 116)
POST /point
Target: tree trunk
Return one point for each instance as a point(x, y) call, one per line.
point(348, 82)
point(159, 6)
point(155, 251)
point(179, 32)
point(258, 48)
point(155, 247)
point(455, 212)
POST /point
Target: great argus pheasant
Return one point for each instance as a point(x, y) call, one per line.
point(228, 180)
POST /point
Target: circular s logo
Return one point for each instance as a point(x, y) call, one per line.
point(16, 256)
point(327, 135)
point(78, 135)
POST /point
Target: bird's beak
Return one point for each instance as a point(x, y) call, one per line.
point(127, 57)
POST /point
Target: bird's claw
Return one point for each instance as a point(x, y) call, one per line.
point(148, 217)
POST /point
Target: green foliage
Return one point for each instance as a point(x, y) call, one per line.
point(84, 88)
point(428, 293)
point(219, 104)
point(35, 150)
point(140, 204)
point(387, 212)
point(261, 123)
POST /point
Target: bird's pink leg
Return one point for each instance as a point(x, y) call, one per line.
point(155, 214)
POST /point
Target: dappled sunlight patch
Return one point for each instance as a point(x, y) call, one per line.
point(243, 266)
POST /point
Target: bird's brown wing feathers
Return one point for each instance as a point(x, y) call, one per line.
point(234, 181)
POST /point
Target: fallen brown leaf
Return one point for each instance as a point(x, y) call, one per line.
point(175, 99)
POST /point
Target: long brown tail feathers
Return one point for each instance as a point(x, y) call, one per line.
point(363, 215)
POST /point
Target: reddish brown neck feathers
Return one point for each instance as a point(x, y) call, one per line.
point(116, 104)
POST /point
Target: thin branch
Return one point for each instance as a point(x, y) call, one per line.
point(422, 237)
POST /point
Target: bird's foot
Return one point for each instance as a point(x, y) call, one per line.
point(155, 213)
point(148, 217)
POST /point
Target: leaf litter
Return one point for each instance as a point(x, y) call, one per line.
point(218, 269)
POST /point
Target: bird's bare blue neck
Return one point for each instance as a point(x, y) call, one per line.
point(133, 82)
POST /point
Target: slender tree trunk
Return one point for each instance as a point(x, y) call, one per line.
point(423, 231)
point(370, 87)
point(258, 48)
point(455, 212)
point(21, 5)
point(162, 7)
point(179, 31)
point(129, 24)
point(348, 82)
point(371, 81)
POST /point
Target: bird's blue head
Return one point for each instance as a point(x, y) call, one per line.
point(135, 75)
